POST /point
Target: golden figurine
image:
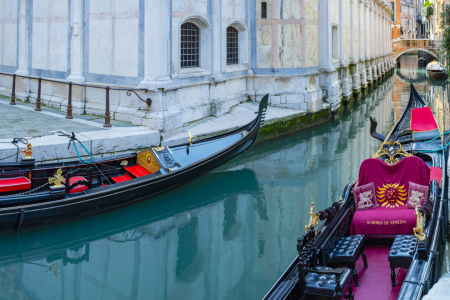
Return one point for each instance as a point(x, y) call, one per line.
point(27, 152)
point(313, 220)
point(190, 138)
point(418, 231)
point(57, 179)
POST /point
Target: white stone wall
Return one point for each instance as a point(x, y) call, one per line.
point(306, 54)
point(49, 35)
point(8, 34)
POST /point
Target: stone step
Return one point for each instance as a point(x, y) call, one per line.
point(238, 116)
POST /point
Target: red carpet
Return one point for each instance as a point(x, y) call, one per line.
point(375, 281)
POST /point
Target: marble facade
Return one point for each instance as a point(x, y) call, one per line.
point(307, 54)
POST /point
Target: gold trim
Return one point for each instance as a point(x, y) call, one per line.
point(27, 152)
point(57, 179)
point(418, 230)
point(313, 220)
point(191, 137)
point(392, 151)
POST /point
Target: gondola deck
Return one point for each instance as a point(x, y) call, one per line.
point(403, 259)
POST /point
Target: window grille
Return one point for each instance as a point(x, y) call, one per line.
point(190, 45)
point(232, 46)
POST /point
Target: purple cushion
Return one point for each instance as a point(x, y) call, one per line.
point(417, 195)
point(365, 198)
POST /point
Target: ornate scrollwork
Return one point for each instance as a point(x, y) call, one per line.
point(148, 100)
point(391, 152)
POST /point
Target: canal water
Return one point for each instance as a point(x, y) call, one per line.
point(227, 235)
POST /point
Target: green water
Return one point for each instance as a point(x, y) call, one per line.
point(227, 235)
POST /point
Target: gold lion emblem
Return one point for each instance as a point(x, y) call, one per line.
point(392, 195)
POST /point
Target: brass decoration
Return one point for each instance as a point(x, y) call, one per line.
point(341, 200)
point(313, 220)
point(124, 163)
point(391, 152)
point(148, 161)
point(190, 138)
point(57, 179)
point(27, 152)
point(418, 230)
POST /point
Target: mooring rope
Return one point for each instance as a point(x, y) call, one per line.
point(73, 139)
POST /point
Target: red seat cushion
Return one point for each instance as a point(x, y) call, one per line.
point(380, 221)
point(137, 171)
point(78, 188)
point(14, 184)
point(422, 119)
point(436, 174)
point(122, 178)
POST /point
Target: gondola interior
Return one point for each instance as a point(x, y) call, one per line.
point(385, 237)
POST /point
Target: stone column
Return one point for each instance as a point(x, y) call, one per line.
point(327, 79)
point(76, 73)
point(23, 38)
point(157, 48)
point(76, 59)
point(367, 41)
point(217, 89)
point(361, 11)
point(353, 54)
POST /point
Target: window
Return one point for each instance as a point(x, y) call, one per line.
point(232, 46)
point(335, 41)
point(263, 10)
point(190, 45)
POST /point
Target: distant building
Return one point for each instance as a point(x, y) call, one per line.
point(198, 58)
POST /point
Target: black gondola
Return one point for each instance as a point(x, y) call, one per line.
point(351, 255)
point(27, 202)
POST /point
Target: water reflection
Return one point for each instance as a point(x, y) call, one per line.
point(227, 235)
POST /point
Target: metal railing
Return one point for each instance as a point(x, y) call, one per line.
point(69, 96)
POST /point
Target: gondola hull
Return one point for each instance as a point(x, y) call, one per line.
point(21, 216)
point(425, 268)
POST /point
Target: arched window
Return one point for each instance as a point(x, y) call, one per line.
point(232, 46)
point(190, 45)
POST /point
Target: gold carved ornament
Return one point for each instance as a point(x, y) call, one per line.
point(147, 160)
point(57, 179)
point(27, 152)
point(391, 152)
point(418, 230)
point(190, 138)
point(313, 219)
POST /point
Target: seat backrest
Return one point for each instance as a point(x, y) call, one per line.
point(392, 181)
point(79, 172)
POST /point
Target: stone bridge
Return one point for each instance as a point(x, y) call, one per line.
point(401, 46)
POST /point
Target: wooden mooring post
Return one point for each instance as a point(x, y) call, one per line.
point(69, 103)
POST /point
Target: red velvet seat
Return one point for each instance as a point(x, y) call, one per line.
point(137, 171)
point(122, 178)
point(14, 184)
point(383, 221)
point(78, 188)
point(392, 217)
